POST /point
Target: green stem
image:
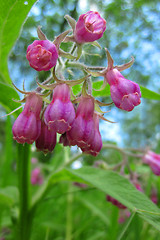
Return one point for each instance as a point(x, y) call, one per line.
point(126, 226)
point(69, 214)
point(24, 224)
point(82, 66)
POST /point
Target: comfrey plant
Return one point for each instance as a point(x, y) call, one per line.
point(63, 109)
point(75, 117)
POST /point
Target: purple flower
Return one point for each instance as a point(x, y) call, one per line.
point(36, 177)
point(60, 113)
point(42, 55)
point(82, 131)
point(47, 140)
point(27, 126)
point(89, 27)
point(96, 143)
point(124, 93)
point(123, 215)
point(153, 160)
point(115, 202)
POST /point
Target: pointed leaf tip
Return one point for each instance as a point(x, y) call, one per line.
point(71, 21)
point(40, 34)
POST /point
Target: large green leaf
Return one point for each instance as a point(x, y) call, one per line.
point(146, 93)
point(116, 186)
point(8, 196)
point(6, 98)
point(12, 16)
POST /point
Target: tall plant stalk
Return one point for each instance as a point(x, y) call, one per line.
point(23, 164)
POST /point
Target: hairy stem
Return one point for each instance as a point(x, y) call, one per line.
point(24, 223)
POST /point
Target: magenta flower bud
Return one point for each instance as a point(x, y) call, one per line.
point(82, 131)
point(34, 160)
point(27, 126)
point(124, 93)
point(42, 55)
point(80, 185)
point(154, 196)
point(60, 113)
point(153, 160)
point(89, 27)
point(124, 214)
point(36, 177)
point(47, 140)
point(96, 143)
point(115, 202)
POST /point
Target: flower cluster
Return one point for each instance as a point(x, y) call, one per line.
point(76, 118)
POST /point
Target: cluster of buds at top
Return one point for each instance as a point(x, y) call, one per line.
point(78, 125)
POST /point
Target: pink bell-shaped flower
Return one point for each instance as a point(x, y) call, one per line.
point(115, 202)
point(36, 177)
point(27, 126)
point(153, 160)
point(89, 27)
point(60, 113)
point(47, 140)
point(82, 131)
point(96, 143)
point(124, 93)
point(42, 55)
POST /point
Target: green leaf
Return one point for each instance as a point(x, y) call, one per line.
point(8, 196)
point(12, 15)
point(95, 210)
point(100, 93)
point(116, 186)
point(146, 93)
point(6, 96)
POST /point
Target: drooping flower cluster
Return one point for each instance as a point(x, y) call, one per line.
point(77, 123)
